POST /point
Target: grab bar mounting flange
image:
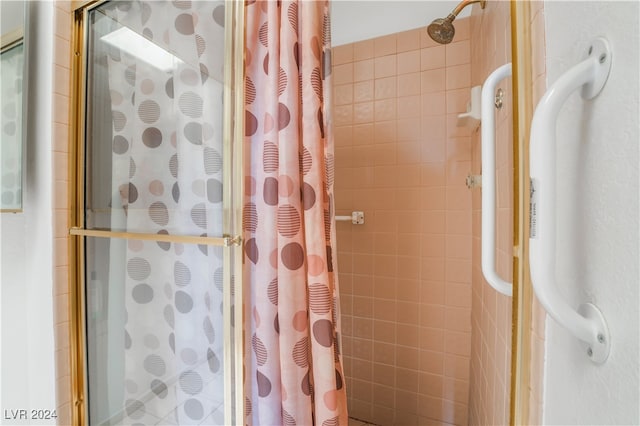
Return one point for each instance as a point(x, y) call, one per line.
point(599, 350)
point(599, 48)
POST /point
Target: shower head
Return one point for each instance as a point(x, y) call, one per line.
point(441, 30)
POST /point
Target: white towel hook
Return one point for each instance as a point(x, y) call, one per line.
point(357, 218)
point(488, 136)
point(587, 323)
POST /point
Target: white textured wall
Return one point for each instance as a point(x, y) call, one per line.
point(28, 380)
point(355, 20)
point(598, 219)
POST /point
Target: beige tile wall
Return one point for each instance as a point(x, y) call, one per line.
point(405, 276)
point(61, 120)
point(490, 386)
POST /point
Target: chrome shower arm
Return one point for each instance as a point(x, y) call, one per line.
point(466, 3)
point(441, 30)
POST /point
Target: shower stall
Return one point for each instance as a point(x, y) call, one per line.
point(168, 214)
point(426, 339)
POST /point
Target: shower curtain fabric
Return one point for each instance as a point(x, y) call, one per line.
point(167, 179)
point(293, 362)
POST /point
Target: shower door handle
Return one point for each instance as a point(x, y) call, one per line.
point(587, 323)
point(488, 136)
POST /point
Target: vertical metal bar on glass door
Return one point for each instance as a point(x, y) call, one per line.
point(522, 83)
point(232, 199)
point(226, 202)
point(238, 194)
point(76, 258)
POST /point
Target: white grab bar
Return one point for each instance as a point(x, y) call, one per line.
point(587, 324)
point(488, 135)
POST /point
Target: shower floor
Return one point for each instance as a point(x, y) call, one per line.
point(154, 412)
point(216, 417)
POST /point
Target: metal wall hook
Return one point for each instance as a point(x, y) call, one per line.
point(499, 99)
point(473, 181)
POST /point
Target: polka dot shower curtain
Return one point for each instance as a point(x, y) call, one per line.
point(293, 362)
point(167, 179)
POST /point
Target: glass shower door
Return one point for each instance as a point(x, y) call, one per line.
point(157, 214)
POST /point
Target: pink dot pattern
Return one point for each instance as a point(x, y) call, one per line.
point(293, 358)
point(166, 178)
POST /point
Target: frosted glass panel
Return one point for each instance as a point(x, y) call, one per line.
point(153, 165)
point(11, 71)
point(154, 333)
point(154, 118)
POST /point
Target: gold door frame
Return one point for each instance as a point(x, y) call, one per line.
point(233, 111)
point(522, 291)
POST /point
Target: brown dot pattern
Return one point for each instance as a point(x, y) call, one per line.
point(288, 194)
point(167, 178)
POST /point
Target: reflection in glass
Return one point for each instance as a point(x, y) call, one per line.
point(11, 71)
point(153, 164)
point(154, 332)
point(154, 118)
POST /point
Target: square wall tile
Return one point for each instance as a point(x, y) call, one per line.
point(407, 284)
point(385, 66)
point(408, 40)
